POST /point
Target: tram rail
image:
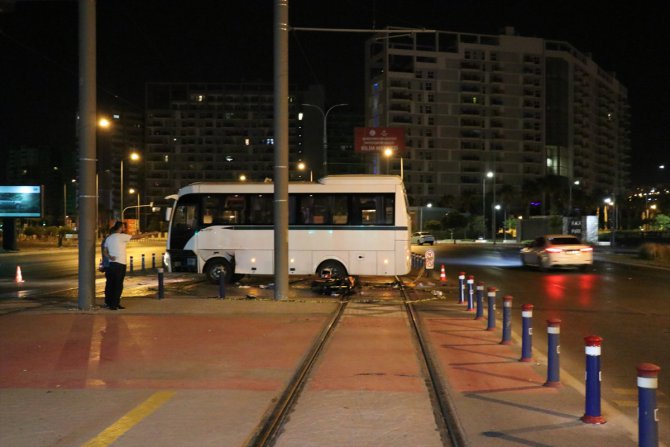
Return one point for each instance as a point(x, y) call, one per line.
point(268, 431)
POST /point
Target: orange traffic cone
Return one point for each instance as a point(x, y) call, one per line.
point(443, 275)
point(19, 278)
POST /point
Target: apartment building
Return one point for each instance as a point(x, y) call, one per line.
point(523, 108)
point(210, 132)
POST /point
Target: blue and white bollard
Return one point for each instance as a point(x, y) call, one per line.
point(592, 413)
point(143, 265)
point(132, 267)
point(553, 353)
point(471, 293)
point(461, 287)
point(527, 334)
point(507, 321)
point(647, 411)
point(480, 301)
point(491, 293)
point(161, 287)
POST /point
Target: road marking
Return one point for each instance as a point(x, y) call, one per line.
point(130, 419)
point(99, 328)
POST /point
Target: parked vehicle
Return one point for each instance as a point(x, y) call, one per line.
point(422, 237)
point(557, 250)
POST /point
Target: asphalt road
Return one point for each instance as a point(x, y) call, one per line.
point(49, 269)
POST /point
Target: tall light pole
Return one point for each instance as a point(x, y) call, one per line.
point(388, 153)
point(493, 210)
point(65, 201)
point(134, 156)
point(133, 191)
point(612, 220)
point(303, 167)
point(570, 183)
point(489, 175)
point(325, 132)
point(428, 205)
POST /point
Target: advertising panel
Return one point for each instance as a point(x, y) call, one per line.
point(377, 139)
point(20, 201)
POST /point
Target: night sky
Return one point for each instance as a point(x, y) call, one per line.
point(230, 41)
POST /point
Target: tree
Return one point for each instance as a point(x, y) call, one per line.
point(662, 222)
point(433, 225)
point(454, 220)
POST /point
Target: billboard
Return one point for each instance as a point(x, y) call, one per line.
point(377, 139)
point(20, 201)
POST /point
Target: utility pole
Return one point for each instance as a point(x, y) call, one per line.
point(87, 154)
point(281, 170)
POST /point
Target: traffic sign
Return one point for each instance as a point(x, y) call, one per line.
point(430, 259)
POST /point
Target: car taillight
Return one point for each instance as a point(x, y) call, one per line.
point(553, 250)
point(586, 249)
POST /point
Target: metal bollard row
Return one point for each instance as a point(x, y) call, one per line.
point(491, 322)
point(553, 353)
point(647, 373)
point(480, 301)
point(647, 410)
point(161, 287)
point(592, 413)
point(143, 267)
point(527, 333)
point(471, 293)
point(507, 321)
point(461, 287)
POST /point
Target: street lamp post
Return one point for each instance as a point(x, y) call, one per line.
point(489, 175)
point(428, 205)
point(303, 167)
point(325, 132)
point(65, 201)
point(388, 153)
point(493, 211)
point(570, 183)
point(134, 156)
point(612, 220)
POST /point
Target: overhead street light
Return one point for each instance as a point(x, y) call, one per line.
point(325, 132)
point(488, 175)
point(134, 156)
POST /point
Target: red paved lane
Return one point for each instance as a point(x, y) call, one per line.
point(147, 351)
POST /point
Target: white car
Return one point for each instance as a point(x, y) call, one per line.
point(557, 250)
point(422, 237)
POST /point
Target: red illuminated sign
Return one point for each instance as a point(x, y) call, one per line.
point(377, 139)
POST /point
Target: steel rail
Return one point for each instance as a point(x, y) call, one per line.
point(445, 413)
point(268, 428)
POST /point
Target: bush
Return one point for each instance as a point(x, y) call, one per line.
point(33, 231)
point(51, 231)
point(655, 252)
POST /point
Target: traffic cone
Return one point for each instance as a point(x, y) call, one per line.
point(443, 275)
point(19, 277)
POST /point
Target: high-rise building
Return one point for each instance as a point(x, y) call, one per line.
point(527, 109)
point(210, 132)
point(116, 141)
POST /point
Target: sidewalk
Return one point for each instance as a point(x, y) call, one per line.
point(501, 401)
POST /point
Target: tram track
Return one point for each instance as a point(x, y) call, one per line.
point(445, 413)
point(271, 423)
point(269, 430)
